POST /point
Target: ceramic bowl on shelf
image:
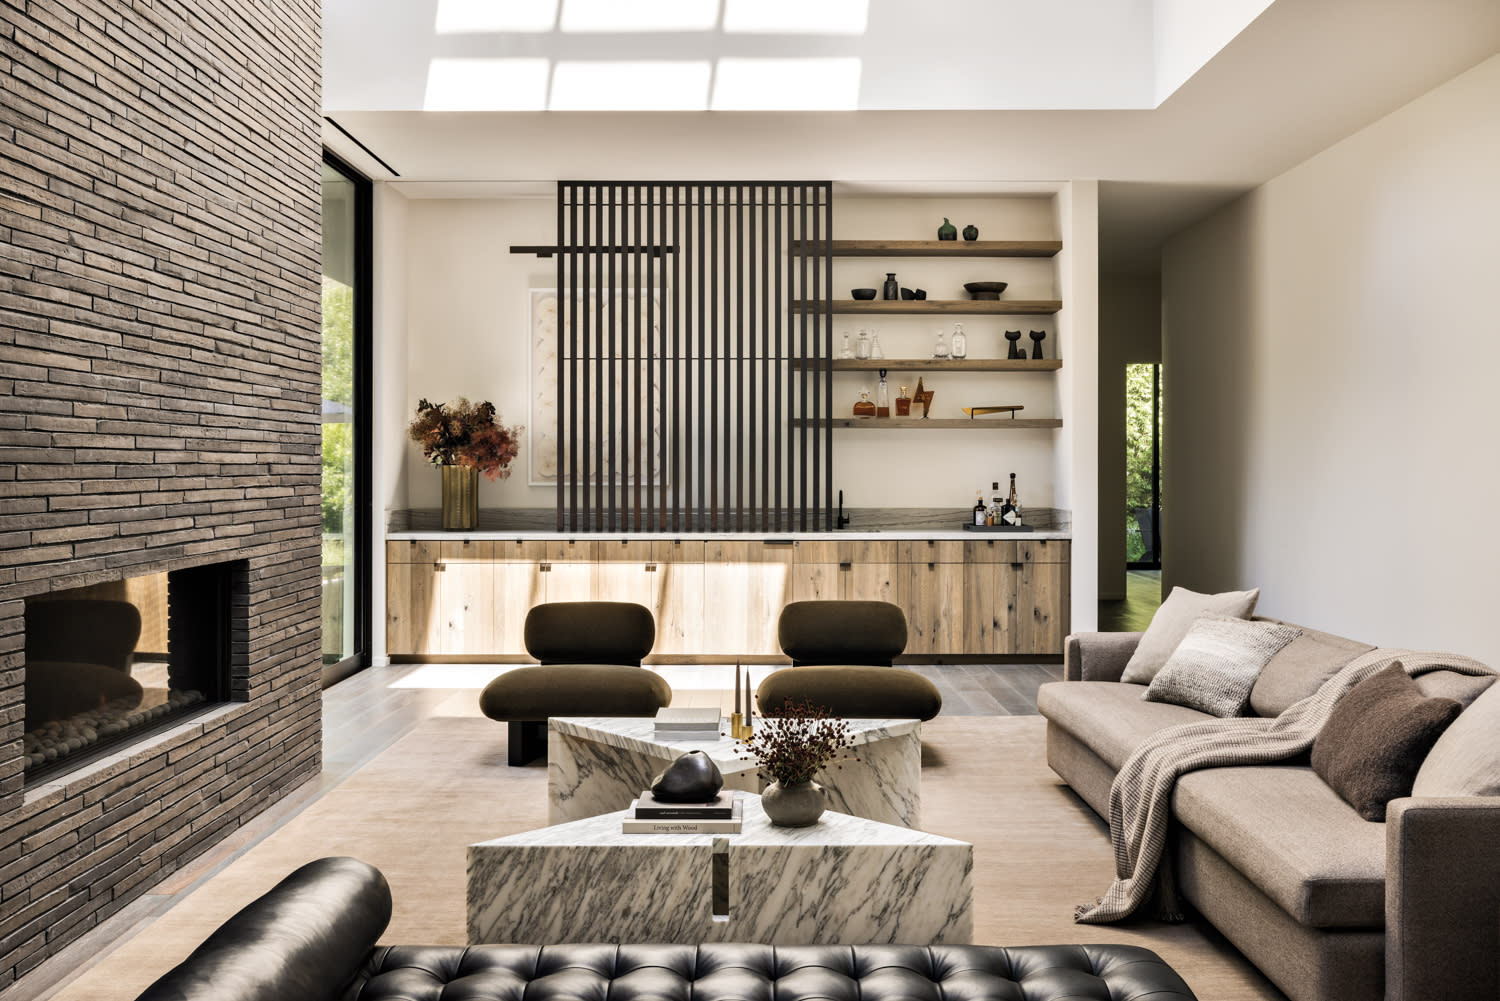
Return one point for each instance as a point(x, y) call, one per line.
point(862, 293)
point(908, 294)
point(977, 288)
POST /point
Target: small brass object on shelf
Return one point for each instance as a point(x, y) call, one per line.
point(1003, 409)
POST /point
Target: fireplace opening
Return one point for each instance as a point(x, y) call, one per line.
point(110, 663)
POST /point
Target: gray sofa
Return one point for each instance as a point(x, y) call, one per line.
point(1329, 906)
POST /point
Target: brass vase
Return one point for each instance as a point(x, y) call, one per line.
point(460, 498)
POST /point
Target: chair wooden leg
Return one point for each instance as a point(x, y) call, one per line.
point(528, 741)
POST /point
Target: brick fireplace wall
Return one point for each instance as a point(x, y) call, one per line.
point(159, 397)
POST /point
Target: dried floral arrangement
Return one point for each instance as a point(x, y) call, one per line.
point(800, 740)
point(467, 435)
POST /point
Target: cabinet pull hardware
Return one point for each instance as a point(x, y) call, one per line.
point(932, 566)
point(1018, 566)
point(650, 567)
point(932, 543)
point(545, 568)
point(438, 566)
point(846, 566)
point(466, 542)
point(778, 542)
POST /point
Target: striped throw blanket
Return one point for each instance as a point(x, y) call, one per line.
point(1141, 796)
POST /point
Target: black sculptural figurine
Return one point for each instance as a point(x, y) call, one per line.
point(1036, 342)
point(692, 778)
point(1014, 336)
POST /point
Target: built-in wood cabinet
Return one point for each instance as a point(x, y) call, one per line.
point(990, 596)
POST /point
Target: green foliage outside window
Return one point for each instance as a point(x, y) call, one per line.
point(338, 433)
point(1138, 438)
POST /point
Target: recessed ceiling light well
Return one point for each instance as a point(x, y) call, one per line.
point(630, 86)
point(639, 15)
point(486, 85)
point(786, 85)
point(462, 17)
point(797, 17)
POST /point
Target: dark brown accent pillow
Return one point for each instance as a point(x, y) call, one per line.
point(1376, 739)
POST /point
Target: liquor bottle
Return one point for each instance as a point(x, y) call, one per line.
point(996, 503)
point(863, 407)
point(979, 508)
point(862, 346)
point(1012, 515)
point(882, 397)
point(940, 349)
point(960, 342)
point(903, 404)
point(848, 352)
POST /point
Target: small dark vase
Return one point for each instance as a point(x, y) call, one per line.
point(971, 232)
point(947, 231)
point(798, 805)
point(1036, 342)
point(892, 288)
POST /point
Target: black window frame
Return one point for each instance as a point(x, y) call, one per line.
point(364, 300)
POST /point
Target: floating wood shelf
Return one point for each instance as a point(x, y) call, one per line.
point(948, 364)
point(933, 248)
point(889, 307)
point(947, 423)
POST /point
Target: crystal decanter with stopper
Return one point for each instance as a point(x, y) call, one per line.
point(875, 351)
point(960, 342)
point(863, 407)
point(847, 352)
point(882, 397)
point(862, 346)
point(940, 349)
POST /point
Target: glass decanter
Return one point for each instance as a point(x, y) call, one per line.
point(960, 342)
point(875, 351)
point(863, 407)
point(940, 349)
point(862, 346)
point(847, 352)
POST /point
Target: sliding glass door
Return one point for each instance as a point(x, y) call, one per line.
point(346, 440)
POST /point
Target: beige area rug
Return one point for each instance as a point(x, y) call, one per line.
point(413, 809)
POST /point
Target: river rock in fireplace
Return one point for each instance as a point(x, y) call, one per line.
point(58, 739)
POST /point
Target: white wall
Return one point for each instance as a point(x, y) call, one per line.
point(466, 335)
point(1129, 334)
point(1331, 344)
point(388, 453)
point(1076, 458)
point(1186, 34)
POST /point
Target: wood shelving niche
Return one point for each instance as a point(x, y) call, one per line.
point(945, 364)
point(933, 248)
point(977, 307)
point(948, 423)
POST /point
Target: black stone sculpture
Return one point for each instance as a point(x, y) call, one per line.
point(692, 778)
point(1014, 336)
point(1036, 342)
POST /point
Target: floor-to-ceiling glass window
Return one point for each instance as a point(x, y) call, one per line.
point(346, 447)
point(1143, 425)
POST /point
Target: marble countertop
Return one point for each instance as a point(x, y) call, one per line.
point(893, 524)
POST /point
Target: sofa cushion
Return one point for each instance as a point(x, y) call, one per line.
point(1465, 761)
point(1109, 717)
point(1217, 662)
point(535, 693)
point(1461, 688)
point(1376, 738)
point(1293, 837)
point(1300, 668)
point(1173, 620)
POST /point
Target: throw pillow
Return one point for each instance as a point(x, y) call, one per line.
point(1173, 620)
point(1215, 666)
point(1465, 761)
point(1376, 738)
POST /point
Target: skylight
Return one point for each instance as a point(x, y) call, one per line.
point(486, 85)
point(630, 86)
point(786, 85)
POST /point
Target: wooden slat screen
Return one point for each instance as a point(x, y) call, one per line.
point(692, 396)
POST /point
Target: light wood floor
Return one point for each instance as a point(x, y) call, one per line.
point(371, 711)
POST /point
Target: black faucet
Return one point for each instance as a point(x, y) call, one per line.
point(843, 519)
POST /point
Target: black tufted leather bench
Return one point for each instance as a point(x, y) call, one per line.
point(311, 939)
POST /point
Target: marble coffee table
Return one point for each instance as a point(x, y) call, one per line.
point(596, 765)
point(845, 880)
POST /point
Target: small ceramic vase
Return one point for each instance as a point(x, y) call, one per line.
point(971, 232)
point(798, 805)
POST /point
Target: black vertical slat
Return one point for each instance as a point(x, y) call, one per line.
point(713, 365)
point(700, 501)
point(588, 314)
point(766, 250)
point(648, 364)
point(611, 253)
point(754, 401)
point(563, 240)
point(802, 353)
point(739, 358)
point(624, 325)
point(596, 350)
point(637, 316)
point(780, 351)
point(827, 311)
point(815, 374)
point(570, 352)
point(670, 419)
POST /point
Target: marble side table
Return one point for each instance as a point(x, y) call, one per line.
point(845, 880)
point(597, 765)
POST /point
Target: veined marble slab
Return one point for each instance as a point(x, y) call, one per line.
point(845, 880)
point(597, 765)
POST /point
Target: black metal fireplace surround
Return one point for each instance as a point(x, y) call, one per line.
point(111, 663)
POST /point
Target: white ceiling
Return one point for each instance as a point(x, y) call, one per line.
point(1302, 75)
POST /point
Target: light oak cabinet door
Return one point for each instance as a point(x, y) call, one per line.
point(868, 571)
point(465, 580)
point(517, 587)
point(989, 608)
point(679, 615)
point(932, 598)
point(745, 586)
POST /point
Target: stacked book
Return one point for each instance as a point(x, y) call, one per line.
point(648, 815)
point(679, 726)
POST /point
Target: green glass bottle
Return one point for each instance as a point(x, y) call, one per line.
point(947, 231)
